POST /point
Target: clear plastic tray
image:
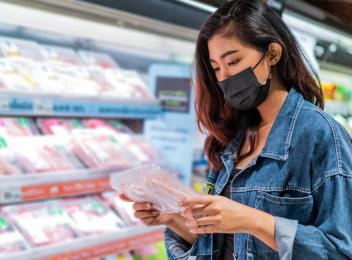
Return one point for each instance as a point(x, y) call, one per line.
point(151, 183)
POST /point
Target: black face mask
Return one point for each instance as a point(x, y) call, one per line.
point(242, 91)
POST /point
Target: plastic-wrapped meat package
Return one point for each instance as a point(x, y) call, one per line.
point(91, 216)
point(147, 149)
point(15, 48)
point(8, 164)
point(42, 223)
point(98, 59)
point(32, 161)
point(11, 240)
point(43, 154)
point(19, 126)
point(60, 158)
point(120, 127)
point(138, 148)
point(62, 69)
point(107, 88)
point(21, 75)
point(50, 81)
point(139, 88)
point(66, 67)
point(123, 208)
point(75, 81)
point(101, 150)
point(56, 126)
point(99, 65)
point(153, 184)
point(65, 56)
point(115, 125)
point(122, 88)
point(20, 67)
point(97, 123)
point(20, 162)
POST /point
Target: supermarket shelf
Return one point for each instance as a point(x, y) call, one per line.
point(58, 106)
point(94, 246)
point(338, 107)
point(31, 187)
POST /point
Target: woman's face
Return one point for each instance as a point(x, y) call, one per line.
point(228, 56)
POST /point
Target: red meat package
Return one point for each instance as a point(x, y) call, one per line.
point(11, 241)
point(42, 223)
point(43, 154)
point(123, 208)
point(91, 216)
point(8, 164)
point(141, 149)
point(17, 127)
point(99, 149)
point(47, 158)
point(58, 126)
point(153, 184)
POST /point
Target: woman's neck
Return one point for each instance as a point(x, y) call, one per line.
point(272, 105)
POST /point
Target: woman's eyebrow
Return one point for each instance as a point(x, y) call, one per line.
point(227, 53)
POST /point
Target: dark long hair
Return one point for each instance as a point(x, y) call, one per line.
point(255, 24)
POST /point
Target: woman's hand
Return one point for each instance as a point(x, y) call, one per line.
point(217, 214)
point(149, 216)
point(145, 212)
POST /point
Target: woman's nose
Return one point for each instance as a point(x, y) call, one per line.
point(224, 74)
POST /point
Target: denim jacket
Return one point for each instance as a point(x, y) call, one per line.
point(303, 177)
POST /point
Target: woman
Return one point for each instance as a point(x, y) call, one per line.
point(281, 180)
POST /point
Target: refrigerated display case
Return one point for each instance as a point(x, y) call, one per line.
point(74, 96)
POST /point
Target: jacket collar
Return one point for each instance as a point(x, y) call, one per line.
point(279, 140)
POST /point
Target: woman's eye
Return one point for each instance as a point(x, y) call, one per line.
point(232, 63)
point(216, 69)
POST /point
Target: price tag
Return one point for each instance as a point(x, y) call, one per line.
point(10, 195)
point(42, 106)
point(4, 104)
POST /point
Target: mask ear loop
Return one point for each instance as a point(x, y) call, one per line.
point(261, 59)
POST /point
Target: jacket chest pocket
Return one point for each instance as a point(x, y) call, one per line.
point(288, 204)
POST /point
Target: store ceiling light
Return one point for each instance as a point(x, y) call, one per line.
point(205, 7)
point(319, 31)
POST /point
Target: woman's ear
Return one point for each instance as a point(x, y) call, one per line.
point(274, 53)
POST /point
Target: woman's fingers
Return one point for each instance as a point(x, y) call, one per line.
point(205, 230)
point(141, 214)
point(149, 220)
point(204, 200)
point(142, 206)
point(197, 212)
point(125, 198)
point(206, 221)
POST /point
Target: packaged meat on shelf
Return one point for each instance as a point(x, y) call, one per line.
point(123, 208)
point(69, 144)
point(28, 67)
point(68, 69)
point(100, 149)
point(62, 221)
point(108, 131)
point(20, 66)
point(58, 126)
point(98, 60)
point(18, 126)
point(91, 215)
point(43, 223)
point(41, 154)
point(11, 240)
